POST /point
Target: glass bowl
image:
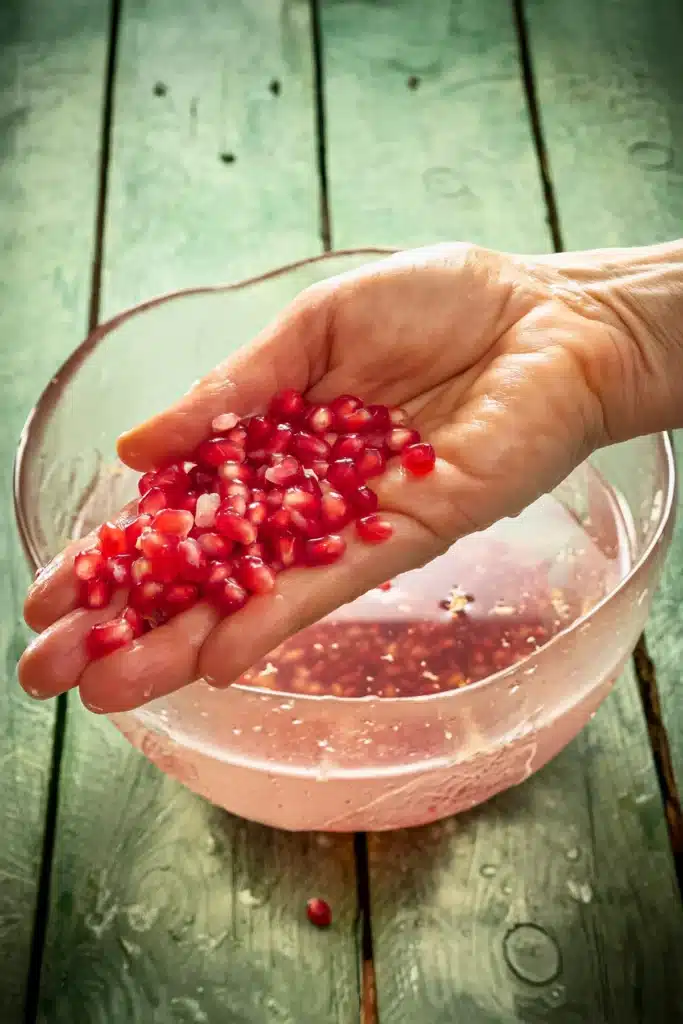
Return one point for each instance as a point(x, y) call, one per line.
point(572, 578)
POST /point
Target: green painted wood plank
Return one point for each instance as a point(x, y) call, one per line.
point(574, 867)
point(428, 136)
point(616, 78)
point(164, 908)
point(52, 59)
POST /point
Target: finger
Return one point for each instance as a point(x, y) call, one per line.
point(289, 353)
point(54, 661)
point(54, 592)
point(153, 666)
point(302, 596)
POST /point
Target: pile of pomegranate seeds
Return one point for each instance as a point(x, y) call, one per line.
point(319, 912)
point(261, 495)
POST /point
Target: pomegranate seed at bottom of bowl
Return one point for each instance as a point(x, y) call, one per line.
point(373, 529)
point(319, 912)
point(107, 637)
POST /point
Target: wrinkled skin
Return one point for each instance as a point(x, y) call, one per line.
point(515, 368)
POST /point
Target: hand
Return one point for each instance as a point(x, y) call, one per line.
point(514, 368)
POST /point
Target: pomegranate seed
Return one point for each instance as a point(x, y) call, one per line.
point(310, 484)
point(287, 406)
point(238, 436)
point(179, 597)
point(193, 564)
point(342, 406)
point(281, 441)
point(174, 522)
point(319, 419)
point(344, 476)
point(257, 494)
point(146, 482)
point(234, 527)
point(254, 574)
point(134, 620)
point(308, 447)
point(257, 549)
point(274, 497)
point(400, 437)
point(235, 471)
point(235, 489)
point(133, 532)
point(146, 597)
point(257, 512)
point(319, 913)
point(112, 540)
point(188, 502)
point(154, 501)
point(227, 596)
point(320, 467)
point(118, 570)
point(287, 549)
point(307, 526)
point(237, 504)
point(165, 566)
point(214, 546)
point(88, 565)
point(107, 637)
point(335, 511)
point(201, 480)
point(95, 594)
point(363, 501)
point(418, 459)
point(324, 550)
point(225, 422)
point(260, 429)
point(207, 506)
point(348, 446)
point(218, 450)
point(218, 573)
point(285, 473)
point(371, 463)
point(278, 522)
point(381, 417)
point(373, 529)
point(296, 499)
point(153, 544)
point(140, 570)
point(398, 417)
point(387, 585)
point(356, 421)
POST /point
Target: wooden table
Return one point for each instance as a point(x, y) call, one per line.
point(152, 144)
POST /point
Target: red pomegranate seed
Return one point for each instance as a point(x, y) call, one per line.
point(287, 549)
point(153, 544)
point(344, 476)
point(398, 416)
point(218, 450)
point(348, 446)
point(319, 419)
point(319, 913)
point(418, 459)
point(254, 574)
point(178, 597)
point(400, 437)
point(146, 597)
point(219, 572)
point(259, 431)
point(373, 529)
point(371, 463)
point(257, 549)
point(257, 494)
point(238, 436)
point(227, 596)
point(335, 511)
point(88, 565)
point(363, 501)
point(225, 422)
point(201, 480)
point(308, 447)
point(234, 527)
point(193, 564)
point(134, 620)
point(324, 550)
point(188, 502)
point(306, 525)
point(319, 467)
point(288, 406)
point(174, 522)
point(274, 497)
point(215, 547)
point(165, 566)
point(284, 473)
point(357, 421)
point(281, 440)
point(154, 501)
point(342, 406)
point(112, 540)
point(118, 570)
point(235, 471)
point(235, 489)
point(146, 482)
point(133, 531)
point(387, 585)
point(140, 570)
point(300, 500)
point(257, 512)
point(107, 637)
point(207, 506)
point(95, 594)
point(381, 417)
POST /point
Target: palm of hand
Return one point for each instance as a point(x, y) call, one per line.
point(479, 351)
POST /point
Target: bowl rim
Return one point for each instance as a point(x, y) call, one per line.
point(39, 414)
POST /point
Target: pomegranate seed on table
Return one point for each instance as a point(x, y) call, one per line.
point(267, 493)
point(419, 459)
point(373, 529)
point(319, 912)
